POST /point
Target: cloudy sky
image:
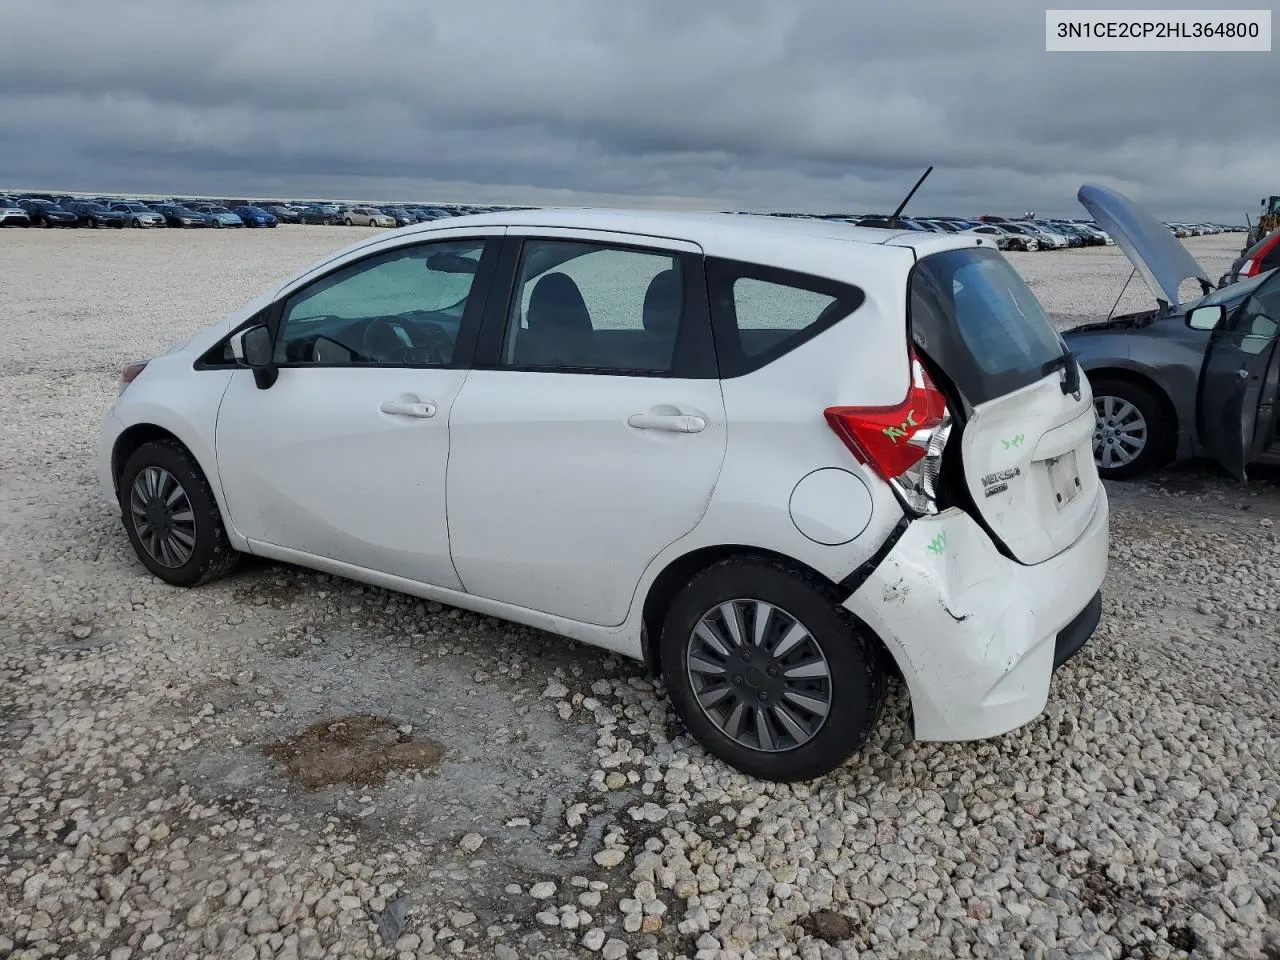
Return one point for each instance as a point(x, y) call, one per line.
point(731, 104)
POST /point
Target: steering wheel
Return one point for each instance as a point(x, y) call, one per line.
point(381, 343)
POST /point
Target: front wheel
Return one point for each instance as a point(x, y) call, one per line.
point(171, 516)
point(347, 222)
point(769, 672)
point(137, 224)
point(218, 224)
point(1134, 432)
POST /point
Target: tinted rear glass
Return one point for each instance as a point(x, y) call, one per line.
point(974, 316)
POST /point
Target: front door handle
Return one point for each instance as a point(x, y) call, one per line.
point(406, 408)
point(672, 423)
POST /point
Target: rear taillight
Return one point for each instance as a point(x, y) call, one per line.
point(130, 373)
point(902, 443)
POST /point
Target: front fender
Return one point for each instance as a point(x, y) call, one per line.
point(170, 395)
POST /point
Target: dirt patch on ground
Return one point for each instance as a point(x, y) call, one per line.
point(828, 925)
point(357, 750)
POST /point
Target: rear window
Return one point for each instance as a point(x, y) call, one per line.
point(760, 313)
point(974, 316)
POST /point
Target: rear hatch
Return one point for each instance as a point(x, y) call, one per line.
point(1026, 417)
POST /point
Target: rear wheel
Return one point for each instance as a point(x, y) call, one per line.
point(171, 516)
point(1134, 433)
point(768, 672)
point(347, 222)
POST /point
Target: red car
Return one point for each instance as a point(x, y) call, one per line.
point(1260, 257)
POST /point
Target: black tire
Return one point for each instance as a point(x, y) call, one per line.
point(137, 224)
point(1161, 433)
point(855, 686)
point(217, 224)
point(212, 555)
point(93, 223)
point(347, 222)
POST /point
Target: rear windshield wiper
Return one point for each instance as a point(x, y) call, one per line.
point(1071, 367)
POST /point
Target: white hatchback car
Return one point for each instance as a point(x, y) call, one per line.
point(776, 460)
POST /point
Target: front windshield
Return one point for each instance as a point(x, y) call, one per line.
point(1232, 291)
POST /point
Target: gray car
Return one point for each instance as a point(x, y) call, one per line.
point(1185, 379)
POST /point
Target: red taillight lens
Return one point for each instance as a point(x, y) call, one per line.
point(902, 443)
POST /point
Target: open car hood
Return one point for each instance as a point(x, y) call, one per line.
point(1151, 246)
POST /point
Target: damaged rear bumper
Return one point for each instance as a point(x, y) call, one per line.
point(977, 635)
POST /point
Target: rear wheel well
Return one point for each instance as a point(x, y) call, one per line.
point(680, 571)
point(129, 441)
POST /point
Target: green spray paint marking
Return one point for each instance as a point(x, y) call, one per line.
point(938, 544)
point(900, 432)
point(1015, 442)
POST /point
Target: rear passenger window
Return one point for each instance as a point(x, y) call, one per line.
point(592, 307)
point(761, 313)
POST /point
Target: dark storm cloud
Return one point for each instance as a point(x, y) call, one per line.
point(725, 103)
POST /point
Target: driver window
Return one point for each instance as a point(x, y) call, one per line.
point(401, 308)
point(1259, 318)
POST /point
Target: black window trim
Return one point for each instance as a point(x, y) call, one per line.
point(693, 357)
point(464, 348)
point(722, 272)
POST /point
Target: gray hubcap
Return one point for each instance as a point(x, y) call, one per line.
point(162, 517)
point(759, 675)
point(1121, 433)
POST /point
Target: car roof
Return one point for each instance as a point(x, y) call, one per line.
point(701, 228)
point(810, 245)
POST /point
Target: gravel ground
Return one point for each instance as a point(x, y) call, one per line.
point(283, 764)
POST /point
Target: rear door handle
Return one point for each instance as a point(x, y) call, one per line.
point(405, 408)
point(672, 423)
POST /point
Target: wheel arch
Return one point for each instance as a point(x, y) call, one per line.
point(1144, 380)
point(676, 574)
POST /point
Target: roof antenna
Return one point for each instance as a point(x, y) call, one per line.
point(893, 219)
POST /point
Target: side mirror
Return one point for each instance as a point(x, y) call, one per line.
point(254, 349)
point(1206, 318)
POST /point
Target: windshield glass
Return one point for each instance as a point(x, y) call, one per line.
point(973, 314)
point(1232, 291)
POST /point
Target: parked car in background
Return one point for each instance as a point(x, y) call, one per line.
point(255, 216)
point(1045, 239)
point(402, 218)
point(1005, 239)
point(366, 217)
point(93, 214)
point(12, 215)
point(316, 215)
point(1259, 258)
point(372, 412)
point(219, 216)
point(176, 215)
point(1189, 377)
point(139, 215)
point(46, 213)
point(282, 213)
